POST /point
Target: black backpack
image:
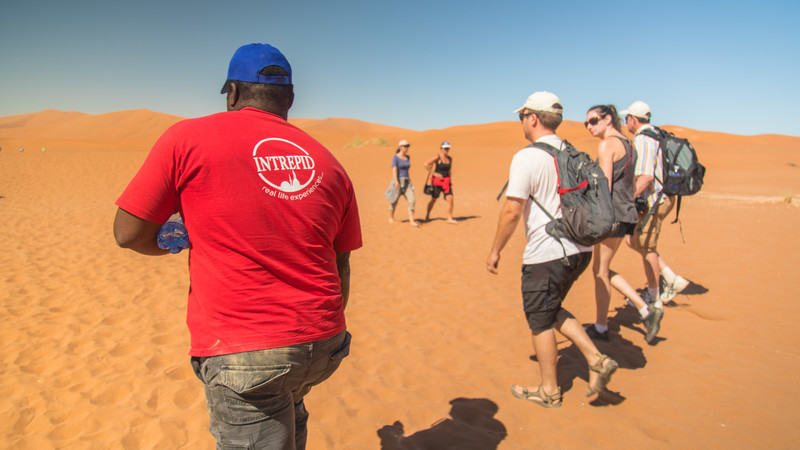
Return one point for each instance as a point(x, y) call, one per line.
point(587, 214)
point(682, 173)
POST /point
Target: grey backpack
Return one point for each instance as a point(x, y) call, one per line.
point(587, 214)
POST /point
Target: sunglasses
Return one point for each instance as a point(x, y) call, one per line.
point(593, 121)
point(522, 116)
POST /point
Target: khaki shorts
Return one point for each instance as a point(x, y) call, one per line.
point(647, 239)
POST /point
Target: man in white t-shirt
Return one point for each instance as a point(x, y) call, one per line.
point(550, 266)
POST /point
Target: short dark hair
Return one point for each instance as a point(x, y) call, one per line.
point(277, 94)
point(608, 110)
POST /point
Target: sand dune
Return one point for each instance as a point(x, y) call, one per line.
point(94, 342)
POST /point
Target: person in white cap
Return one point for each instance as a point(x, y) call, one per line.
point(440, 170)
point(401, 182)
point(646, 189)
point(546, 277)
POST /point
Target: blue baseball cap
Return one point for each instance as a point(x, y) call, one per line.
point(250, 59)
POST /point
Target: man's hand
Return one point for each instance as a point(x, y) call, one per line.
point(492, 262)
point(509, 217)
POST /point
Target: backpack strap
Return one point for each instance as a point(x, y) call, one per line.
point(552, 152)
point(565, 259)
point(503, 190)
point(677, 209)
point(654, 133)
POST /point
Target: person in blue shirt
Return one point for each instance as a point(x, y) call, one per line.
point(401, 183)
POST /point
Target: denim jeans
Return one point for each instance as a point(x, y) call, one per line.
point(255, 399)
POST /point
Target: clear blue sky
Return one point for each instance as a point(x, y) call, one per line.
point(729, 66)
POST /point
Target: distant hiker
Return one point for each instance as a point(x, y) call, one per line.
point(269, 259)
point(401, 182)
point(547, 274)
point(646, 190)
point(617, 158)
point(440, 171)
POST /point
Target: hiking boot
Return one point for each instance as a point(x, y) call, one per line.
point(595, 335)
point(672, 290)
point(652, 322)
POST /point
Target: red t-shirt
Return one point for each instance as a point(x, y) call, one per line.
point(266, 208)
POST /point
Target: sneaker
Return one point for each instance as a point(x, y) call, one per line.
point(672, 290)
point(595, 335)
point(652, 322)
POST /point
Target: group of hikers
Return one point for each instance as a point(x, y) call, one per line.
point(270, 219)
point(438, 182)
point(551, 265)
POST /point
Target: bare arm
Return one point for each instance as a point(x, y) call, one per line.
point(509, 218)
point(394, 177)
point(641, 183)
point(137, 234)
point(647, 150)
point(343, 267)
point(429, 164)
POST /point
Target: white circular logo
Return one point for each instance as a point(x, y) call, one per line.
point(283, 165)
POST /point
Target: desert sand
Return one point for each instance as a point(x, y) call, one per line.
point(94, 342)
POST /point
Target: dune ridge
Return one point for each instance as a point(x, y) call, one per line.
point(94, 343)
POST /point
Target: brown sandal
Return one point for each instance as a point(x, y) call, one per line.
point(539, 397)
point(605, 372)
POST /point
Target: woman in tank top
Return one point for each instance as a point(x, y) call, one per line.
point(440, 169)
point(617, 159)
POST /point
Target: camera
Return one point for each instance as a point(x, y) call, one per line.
point(641, 204)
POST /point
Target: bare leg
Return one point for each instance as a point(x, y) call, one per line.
point(411, 218)
point(651, 270)
point(621, 285)
point(450, 218)
point(430, 207)
point(661, 263)
point(391, 213)
point(603, 253)
point(572, 329)
point(544, 343)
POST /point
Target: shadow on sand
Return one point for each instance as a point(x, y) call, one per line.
point(444, 219)
point(471, 425)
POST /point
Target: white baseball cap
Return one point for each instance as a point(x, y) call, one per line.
point(543, 101)
point(403, 143)
point(637, 109)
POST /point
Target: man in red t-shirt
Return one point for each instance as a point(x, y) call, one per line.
point(272, 218)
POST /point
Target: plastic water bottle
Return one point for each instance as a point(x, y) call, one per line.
point(173, 235)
